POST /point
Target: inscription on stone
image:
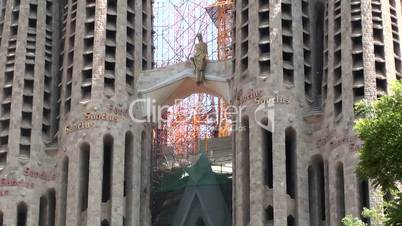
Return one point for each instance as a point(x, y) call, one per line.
point(6, 182)
point(43, 175)
point(83, 124)
point(258, 97)
point(118, 110)
point(100, 116)
point(3, 193)
point(113, 114)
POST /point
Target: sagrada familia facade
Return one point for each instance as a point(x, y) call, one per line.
point(71, 155)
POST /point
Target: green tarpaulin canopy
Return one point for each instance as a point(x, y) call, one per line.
point(198, 174)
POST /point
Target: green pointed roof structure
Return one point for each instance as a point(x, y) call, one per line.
point(203, 201)
point(199, 174)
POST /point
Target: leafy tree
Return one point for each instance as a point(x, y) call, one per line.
point(376, 216)
point(394, 210)
point(349, 220)
point(380, 128)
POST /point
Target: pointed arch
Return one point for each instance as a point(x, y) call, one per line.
point(195, 211)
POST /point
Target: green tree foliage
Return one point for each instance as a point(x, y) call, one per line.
point(375, 214)
point(380, 128)
point(381, 131)
point(394, 210)
point(349, 220)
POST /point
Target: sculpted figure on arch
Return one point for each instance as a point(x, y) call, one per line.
point(200, 58)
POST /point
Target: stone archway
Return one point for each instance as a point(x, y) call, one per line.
point(165, 85)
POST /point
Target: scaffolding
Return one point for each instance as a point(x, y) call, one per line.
point(176, 24)
point(221, 13)
point(178, 21)
point(199, 116)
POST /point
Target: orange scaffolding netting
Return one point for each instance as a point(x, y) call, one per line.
point(177, 22)
point(221, 13)
point(199, 116)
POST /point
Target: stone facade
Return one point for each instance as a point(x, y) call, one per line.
point(64, 112)
point(296, 163)
point(71, 155)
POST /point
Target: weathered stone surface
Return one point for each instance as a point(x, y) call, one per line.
point(50, 106)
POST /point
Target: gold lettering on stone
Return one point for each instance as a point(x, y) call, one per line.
point(83, 124)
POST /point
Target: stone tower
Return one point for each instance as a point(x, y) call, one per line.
point(310, 60)
point(29, 65)
point(69, 152)
point(70, 155)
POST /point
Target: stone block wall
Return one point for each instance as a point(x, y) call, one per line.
point(320, 58)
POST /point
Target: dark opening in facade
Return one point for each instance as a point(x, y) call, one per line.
point(105, 223)
point(340, 192)
point(84, 176)
point(128, 171)
point(269, 215)
point(364, 198)
point(43, 206)
point(3, 155)
point(22, 214)
point(316, 184)
point(51, 208)
point(144, 181)
point(291, 221)
point(318, 52)
point(245, 163)
point(267, 150)
point(1, 218)
point(290, 147)
point(64, 188)
point(107, 167)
